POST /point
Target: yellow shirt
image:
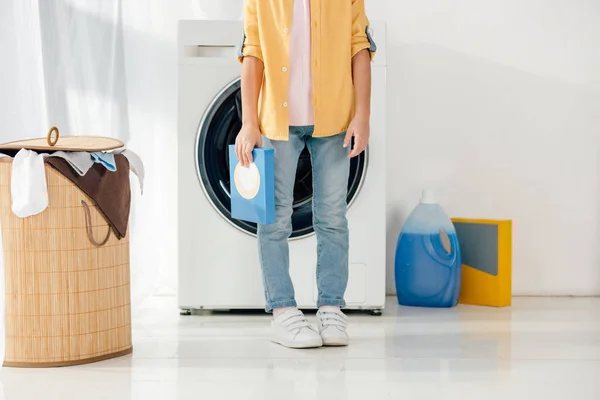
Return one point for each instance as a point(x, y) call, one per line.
point(339, 30)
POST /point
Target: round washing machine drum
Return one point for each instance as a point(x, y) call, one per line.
point(218, 129)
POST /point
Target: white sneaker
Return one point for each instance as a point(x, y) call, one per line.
point(332, 324)
point(291, 329)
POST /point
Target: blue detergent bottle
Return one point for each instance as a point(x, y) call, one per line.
point(428, 264)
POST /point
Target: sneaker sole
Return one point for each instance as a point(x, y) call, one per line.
point(293, 345)
point(336, 343)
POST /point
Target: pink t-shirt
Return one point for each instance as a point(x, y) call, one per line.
point(300, 93)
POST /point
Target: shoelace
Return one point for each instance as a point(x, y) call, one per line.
point(334, 318)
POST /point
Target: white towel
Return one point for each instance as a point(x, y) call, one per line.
point(80, 161)
point(28, 184)
point(136, 165)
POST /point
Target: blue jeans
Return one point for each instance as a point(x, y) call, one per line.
point(330, 169)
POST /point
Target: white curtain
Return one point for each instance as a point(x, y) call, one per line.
point(106, 68)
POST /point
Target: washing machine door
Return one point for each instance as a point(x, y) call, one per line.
point(218, 129)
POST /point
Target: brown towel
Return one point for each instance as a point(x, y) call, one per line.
point(110, 190)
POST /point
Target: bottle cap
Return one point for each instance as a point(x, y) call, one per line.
point(428, 197)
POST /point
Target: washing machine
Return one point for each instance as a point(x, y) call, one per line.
point(218, 264)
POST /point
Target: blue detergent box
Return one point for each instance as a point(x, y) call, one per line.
point(253, 189)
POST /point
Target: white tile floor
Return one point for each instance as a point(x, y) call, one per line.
point(539, 349)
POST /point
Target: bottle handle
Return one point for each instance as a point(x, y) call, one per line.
point(443, 248)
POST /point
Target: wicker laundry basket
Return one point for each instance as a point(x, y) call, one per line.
point(67, 300)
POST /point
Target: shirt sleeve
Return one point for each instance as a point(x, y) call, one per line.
point(250, 46)
point(361, 30)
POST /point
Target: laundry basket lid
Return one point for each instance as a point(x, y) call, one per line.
point(53, 142)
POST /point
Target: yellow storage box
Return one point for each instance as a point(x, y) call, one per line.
point(486, 251)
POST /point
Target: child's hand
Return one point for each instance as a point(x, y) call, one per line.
point(248, 138)
point(360, 130)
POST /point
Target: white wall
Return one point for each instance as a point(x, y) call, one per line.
point(496, 105)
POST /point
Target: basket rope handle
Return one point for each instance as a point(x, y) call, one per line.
point(52, 139)
point(88, 225)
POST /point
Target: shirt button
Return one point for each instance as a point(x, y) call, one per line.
point(284, 69)
point(286, 30)
point(285, 104)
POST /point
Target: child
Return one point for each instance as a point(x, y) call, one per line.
point(306, 81)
